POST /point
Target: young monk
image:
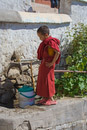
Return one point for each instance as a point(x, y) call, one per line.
point(49, 54)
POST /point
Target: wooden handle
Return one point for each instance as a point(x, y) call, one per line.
point(32, 77)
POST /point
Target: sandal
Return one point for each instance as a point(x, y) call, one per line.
point(49, 102)
point(41, 101)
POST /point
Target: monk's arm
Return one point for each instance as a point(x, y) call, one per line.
point(54, 59)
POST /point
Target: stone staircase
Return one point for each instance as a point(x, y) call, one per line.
point(43, 8)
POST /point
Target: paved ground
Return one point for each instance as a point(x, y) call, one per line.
point(69, 113)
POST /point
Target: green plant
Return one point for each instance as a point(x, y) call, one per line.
point(75, 83)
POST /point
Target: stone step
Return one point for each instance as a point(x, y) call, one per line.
point(40, 8)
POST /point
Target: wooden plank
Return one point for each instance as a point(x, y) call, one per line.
point(62, 71)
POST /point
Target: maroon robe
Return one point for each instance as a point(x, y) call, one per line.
point(46, 81)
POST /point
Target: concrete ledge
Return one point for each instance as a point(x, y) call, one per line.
point(67, 114)
point(9, 16)
point(26, 17)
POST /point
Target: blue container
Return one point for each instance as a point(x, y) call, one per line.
point(26, 96)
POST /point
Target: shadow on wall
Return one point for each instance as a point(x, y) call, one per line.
point(79, 3)
point(18, 26)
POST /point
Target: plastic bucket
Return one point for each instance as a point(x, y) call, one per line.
point(26, 96)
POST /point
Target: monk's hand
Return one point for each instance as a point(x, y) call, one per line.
point(49, 64)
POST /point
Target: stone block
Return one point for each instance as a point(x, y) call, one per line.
point(68, 114)
point(24, 68)
point(79, 125)
point(3, 78)
point(13, 73)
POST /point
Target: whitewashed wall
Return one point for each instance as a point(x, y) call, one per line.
point(18, 5)
point(23, 38)
point(79, 11)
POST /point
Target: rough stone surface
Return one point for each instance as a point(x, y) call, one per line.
point(2, 78)
point(68, 114)
point(22, 5)
point(13, 73)
point(79, 12)
point(65, 6)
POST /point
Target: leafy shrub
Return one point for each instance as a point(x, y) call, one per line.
point(72, 84)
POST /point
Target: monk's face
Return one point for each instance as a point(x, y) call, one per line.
point(42, 37)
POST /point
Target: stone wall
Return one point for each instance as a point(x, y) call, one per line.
point(18, 5)
point(79, 11)
point(23, 39)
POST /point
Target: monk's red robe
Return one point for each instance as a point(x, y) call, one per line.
point(46, 81)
